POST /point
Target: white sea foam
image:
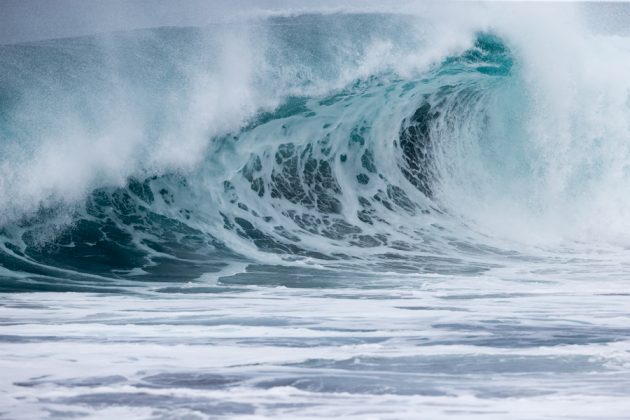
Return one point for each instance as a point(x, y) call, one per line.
point(444, 348)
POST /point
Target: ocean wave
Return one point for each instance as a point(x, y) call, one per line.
point(357, 142)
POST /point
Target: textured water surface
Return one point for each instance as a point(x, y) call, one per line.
point(442, 346)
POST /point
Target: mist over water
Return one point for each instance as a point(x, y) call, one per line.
point(314, 211)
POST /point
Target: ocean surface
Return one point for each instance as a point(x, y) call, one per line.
point(363, 214)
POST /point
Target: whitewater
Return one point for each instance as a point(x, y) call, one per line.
point(412, 211)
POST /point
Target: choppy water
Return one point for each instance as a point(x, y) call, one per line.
point(359, 215)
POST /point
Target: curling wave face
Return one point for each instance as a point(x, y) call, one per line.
point(346, 142)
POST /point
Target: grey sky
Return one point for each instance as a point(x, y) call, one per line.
point(29, 20)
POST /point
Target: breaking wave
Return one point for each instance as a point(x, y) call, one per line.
point(342, 142)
